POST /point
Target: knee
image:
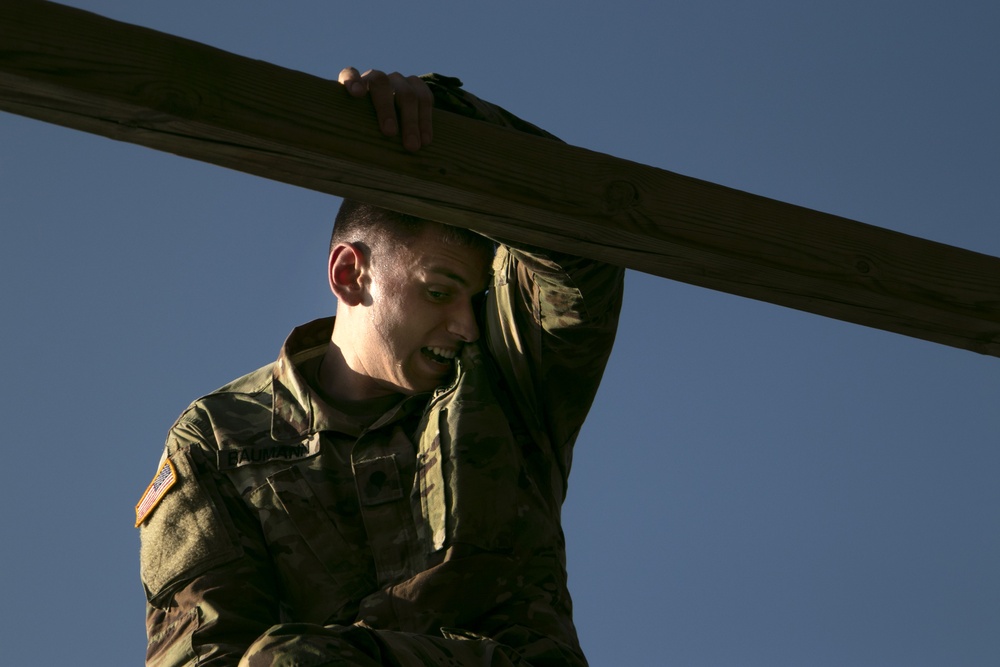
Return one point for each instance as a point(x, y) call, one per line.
point(308, 645)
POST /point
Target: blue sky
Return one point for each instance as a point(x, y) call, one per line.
point(755, 486)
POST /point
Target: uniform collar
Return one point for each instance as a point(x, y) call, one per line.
point(298, 410)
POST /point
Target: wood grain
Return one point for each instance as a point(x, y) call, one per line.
point(90, 73)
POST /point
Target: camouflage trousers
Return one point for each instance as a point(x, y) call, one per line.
point(306, 645)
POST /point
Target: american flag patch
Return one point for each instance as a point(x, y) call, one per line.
point(165, 478)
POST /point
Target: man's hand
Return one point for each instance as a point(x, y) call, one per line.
point(400, 102)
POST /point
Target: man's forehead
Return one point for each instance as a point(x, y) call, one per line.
point(469, 273)
point(438, 252)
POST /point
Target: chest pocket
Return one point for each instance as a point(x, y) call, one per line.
point(315, 542)
point(471, 475)
point(482, 468)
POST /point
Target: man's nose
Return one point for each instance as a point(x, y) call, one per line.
point(462, 323)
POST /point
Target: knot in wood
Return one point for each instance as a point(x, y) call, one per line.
point(173, 100)
point(620, 195)
point(865, 265)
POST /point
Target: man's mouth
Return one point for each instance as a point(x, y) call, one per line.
point(440, 355)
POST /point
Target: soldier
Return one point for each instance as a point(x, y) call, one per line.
point(388, 491)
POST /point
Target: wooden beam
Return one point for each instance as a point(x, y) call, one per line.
point(83, 71)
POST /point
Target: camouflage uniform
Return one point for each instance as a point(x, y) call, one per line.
point(292, 533)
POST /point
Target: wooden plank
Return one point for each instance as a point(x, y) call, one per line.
point(77, 69)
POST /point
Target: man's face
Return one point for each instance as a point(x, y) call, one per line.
point(421, 313)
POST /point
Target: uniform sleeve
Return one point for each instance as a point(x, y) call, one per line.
point(551, 322)
point(450, 96)
point(209, 586)
point(552, 318)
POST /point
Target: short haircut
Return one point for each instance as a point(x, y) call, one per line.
point(373, 227)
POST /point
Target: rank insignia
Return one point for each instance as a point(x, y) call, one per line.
point(165, 478)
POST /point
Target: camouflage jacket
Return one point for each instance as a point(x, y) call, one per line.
point(272, 506)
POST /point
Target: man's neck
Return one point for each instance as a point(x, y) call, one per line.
point(346, 386)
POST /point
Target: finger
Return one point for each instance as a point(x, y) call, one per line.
point(425, 107)
point(408, 110)
point(382, 95)
point(414, 107)
point(351, 79)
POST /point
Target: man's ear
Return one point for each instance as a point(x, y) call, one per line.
point(345, 269)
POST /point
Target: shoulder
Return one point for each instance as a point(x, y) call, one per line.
point(239, 409)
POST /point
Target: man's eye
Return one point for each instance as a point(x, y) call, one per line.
point(436, 295)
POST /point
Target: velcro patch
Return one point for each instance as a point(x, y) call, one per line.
point(165, 478)
point(230, 457)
